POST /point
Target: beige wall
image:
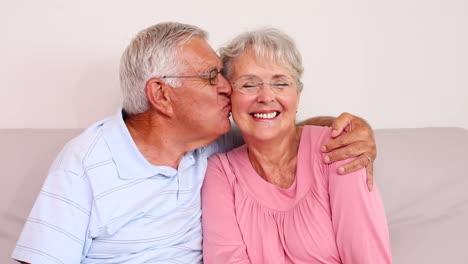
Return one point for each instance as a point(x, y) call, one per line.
point(397, 63)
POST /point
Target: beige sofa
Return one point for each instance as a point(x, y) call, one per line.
point(422, 174)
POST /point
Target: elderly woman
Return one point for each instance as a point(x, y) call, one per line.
point(266, 202)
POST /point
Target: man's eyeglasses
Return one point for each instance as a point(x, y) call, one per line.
point(252, 86)
point(211, 76)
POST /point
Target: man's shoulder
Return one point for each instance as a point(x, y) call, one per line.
point(84, 150)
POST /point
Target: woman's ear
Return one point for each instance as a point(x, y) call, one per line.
point(159, 97)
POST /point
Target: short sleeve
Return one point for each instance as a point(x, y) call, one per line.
point(56, 230)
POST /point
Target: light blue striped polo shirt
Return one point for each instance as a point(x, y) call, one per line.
point(103, 202)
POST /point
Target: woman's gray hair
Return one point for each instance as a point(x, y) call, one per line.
point(266, 43)
point(152, 53)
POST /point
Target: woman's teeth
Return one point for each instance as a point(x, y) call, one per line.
point(266, 115)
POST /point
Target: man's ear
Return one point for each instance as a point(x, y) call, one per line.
point(159, 96)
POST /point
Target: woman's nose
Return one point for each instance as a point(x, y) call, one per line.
point(265, 93)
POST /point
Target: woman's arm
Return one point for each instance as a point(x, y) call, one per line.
point(358, 218)
point(222, 239)
point(358, 142)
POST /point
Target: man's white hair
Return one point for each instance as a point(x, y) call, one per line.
point(152, 53)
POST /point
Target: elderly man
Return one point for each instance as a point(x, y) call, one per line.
point(127, 190)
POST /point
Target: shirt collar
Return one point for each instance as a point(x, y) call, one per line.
point(130, 163)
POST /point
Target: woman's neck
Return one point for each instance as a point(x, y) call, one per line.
point(275, 160)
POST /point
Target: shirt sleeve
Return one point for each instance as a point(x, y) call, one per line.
point(56, 229)
point(222, 239)
point(358, 218)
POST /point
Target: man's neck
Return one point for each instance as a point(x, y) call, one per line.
point(160, 143)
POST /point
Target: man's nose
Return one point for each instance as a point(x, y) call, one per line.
point(223, 85)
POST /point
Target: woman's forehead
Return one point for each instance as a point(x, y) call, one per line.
point(249, 64)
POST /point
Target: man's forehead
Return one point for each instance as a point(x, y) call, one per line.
point(197, 53)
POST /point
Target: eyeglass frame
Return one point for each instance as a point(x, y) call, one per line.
point(211, 80)
point(260, 85)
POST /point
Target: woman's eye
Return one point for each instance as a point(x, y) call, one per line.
point(249, 85)
point(280, 85)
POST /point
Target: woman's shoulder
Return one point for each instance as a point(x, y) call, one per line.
point(235, 155)
point(228, 163)
point(315, 136)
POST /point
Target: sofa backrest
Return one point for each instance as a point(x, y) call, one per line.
point(420, 172)
point(423, 178)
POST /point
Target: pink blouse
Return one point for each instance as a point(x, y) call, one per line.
point(322, 217)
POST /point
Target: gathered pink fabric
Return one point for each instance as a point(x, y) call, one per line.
point(322, 217)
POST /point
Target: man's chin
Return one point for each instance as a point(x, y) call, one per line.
point(225, 128)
